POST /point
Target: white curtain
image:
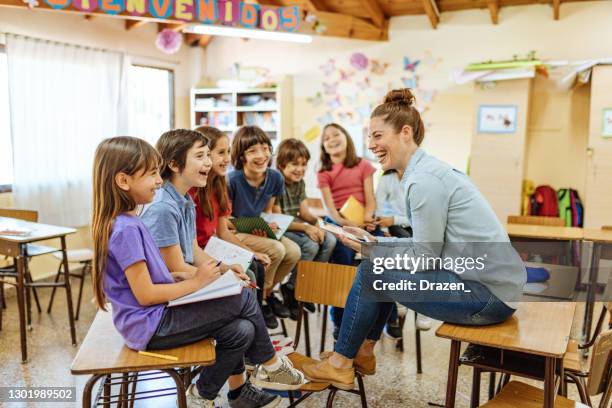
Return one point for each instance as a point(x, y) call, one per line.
point(64, 99)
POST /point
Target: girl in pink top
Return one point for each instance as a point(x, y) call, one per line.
point(344, 174)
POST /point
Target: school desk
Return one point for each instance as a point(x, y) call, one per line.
point(537, 328)
point(544, 232)
point(17, 247)
point(601, 242)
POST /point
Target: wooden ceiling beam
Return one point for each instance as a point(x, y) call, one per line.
point(431, 9)
point(374, 11)
point(494, 10)
point(344, 25)
point(132, 24)
point(195, 40)
point(556, 8)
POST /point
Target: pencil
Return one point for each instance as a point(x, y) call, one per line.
point(164, 356)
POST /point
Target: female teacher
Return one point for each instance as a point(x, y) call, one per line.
point(449, 219)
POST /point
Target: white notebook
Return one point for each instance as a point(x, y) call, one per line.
point(228, 284)
point(282, 220)
point(228, 253)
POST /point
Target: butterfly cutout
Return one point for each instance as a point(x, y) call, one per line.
point(330, 89)
point(365, 84)
point(377, 67)
point(329, 67)
point(316, 100)
point(346, 75)
point(410, 66)
point(334, 103)
point(427, 95)
point(430, 60)
point(325, 119)
point(411, 83)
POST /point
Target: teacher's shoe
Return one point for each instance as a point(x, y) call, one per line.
point(364, 365)
point(342, 378)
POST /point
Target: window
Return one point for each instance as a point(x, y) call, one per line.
point(151, 102)
point(6, 146)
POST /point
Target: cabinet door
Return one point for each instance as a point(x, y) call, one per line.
point(497, 161)
point(598, 198)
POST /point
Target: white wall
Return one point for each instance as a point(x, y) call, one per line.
point(461, 38)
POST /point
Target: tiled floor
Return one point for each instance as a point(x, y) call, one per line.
point(395, 385)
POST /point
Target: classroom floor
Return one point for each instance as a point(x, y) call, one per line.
point(395, 385)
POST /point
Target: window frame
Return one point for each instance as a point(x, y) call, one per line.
point(170, 84)
point(5, 188)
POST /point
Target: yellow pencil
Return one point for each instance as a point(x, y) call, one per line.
point(164, 356)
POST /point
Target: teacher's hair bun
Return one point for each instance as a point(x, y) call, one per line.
point(400, 96)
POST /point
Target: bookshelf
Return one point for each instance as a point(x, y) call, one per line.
point(227, 109)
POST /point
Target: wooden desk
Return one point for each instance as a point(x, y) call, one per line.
point(544, 232)
point(16, 247)
point(537, 328)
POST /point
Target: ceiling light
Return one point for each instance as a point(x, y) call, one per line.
point(247, 33)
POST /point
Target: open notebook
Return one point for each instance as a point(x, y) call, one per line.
point(228, 253)
point(228, 284)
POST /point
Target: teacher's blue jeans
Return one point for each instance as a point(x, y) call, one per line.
point(365, 318)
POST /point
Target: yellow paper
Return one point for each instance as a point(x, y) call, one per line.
point(353, 210)
point(312, 134)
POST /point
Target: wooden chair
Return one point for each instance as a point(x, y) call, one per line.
point(103, 354)
point(32, 250)
point(84, 257)
point(329, 285)
point(536, 220)
point(518, 394)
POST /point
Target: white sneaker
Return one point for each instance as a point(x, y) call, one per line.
point(423, 323)
point(194, 400)
point(286, 378)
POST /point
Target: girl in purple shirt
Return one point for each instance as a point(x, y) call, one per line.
point(130, 273)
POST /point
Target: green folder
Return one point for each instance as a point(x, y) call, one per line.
point(249, 224)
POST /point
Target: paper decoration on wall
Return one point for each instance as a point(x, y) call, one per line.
point(31, 3)
point(430, 60)
point(364, 84)
point(377, 67)
point(329, 67)
point(330, 89)
point(411, 83)
point(325, 119)
point(312, 134)
point(346, 75)
point(410, 66)
point(168, 41)
point(427, 95)
point(316, 100)
point(334, 103)
point(497, 118)
point(359, 61)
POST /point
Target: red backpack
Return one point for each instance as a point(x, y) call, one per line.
point(544, 202)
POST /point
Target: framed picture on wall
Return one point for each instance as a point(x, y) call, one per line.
point(497, 118)
point(607, 122)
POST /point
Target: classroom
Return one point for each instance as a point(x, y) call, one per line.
point(316, 203)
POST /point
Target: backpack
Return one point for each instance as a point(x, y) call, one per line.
point(571, 209)
point(544, 202)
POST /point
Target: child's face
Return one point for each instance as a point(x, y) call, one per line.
point(220, 156)
point(140, 186)
point(256, 158)
point(294, 170)
point(334, 141)
point(197, 166)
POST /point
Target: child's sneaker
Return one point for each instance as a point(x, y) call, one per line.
point(252, 397)
point(194, 400)
point(285, 378)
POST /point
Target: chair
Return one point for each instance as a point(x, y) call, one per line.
point(84, 257)
point(103, 354)
point(518, 394)
point(31, 251)
point(536, 220)
point(329, 285)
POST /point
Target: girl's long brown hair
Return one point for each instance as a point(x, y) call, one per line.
point(123, 154)
point(216, 185)
point(351, 159)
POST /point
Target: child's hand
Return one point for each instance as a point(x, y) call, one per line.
point(242, 276)
point(360, 233)
point(314, 233)
point(181, 276)
point(384, 221)
point(274, 227)
point(263, 258)
point(208, 272)
point(354, 245)
point(259, 233)
point(237, 268)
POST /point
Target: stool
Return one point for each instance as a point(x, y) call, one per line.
point(82, 256)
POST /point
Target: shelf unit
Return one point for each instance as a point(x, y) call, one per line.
point(269, 108)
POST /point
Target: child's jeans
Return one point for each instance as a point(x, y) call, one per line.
point(236, 324)
point(311, 251)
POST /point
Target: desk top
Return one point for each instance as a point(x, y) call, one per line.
point(598, 235)
point(540, 328)
point(544, 232)
point(38, 232)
